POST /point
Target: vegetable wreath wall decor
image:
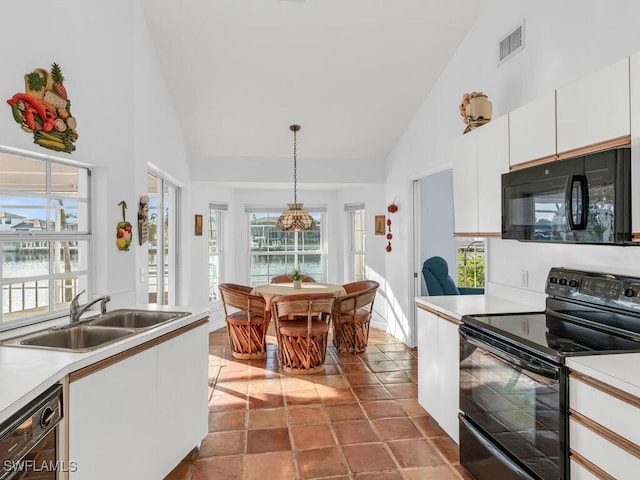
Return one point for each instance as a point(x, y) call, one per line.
point(44, 110)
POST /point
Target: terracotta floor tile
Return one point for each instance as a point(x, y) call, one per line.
point(307, 415)
point(335, 381)
point(312, 436)
point(265, 385)
point(221, 403)
point(356, 379)
point(393, 377)
point(462, 472)
point(396, 428)
point(335, 395)
point(385, 366)
point(401, 355)
point(268, 440)
point(403, 390)
point(292, 383)
point(428, 426)
point(222, 443)
point(407, 364)
point(371, 392)
point(321, 462)
point(392, 475)
point(374, 357)
point(447, 447)
point(368, 457)
point(359, 367)
point(415, 453)
point(265, 400)
point(440, 472)
point(232, 420)
point(270, 417)
point(355, 432)
point(347, 411)
point(411, 407)
point(382, 409)
point(229, 468)
point(272, 465)
point(302, 397)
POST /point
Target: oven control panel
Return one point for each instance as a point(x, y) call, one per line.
point(602, 288)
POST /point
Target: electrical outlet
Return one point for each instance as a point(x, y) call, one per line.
point(524, 278)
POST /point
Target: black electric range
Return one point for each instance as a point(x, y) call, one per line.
point(513, 376)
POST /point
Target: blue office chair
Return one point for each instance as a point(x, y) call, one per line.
point(436, 275)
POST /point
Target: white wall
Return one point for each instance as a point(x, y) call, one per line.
point(119, 99)
point(564, 41)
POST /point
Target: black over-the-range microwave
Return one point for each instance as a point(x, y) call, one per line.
point(585, 199)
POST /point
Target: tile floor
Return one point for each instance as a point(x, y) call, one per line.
point(359, 419)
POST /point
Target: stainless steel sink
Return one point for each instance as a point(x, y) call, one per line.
point(75, 337)
point(137, 319)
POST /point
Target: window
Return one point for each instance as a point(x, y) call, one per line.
point(216, 211)
point(44, 237)
point(276, 253)
point(163, 221)
point(356, 260)
point(471, 262)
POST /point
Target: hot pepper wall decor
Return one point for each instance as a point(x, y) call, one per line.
point(392, 208)
point(123, 231)
point(44, 110)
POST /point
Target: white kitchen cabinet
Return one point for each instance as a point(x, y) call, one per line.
point(183, 370)
point(594, 109)
point(438, 359)
point(532, 131)
point(141, 412)
point(603, 434)
point(634, 67)
point(480, 157)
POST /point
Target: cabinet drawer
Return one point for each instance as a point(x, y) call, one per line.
point(587, 397)
point(607, 456)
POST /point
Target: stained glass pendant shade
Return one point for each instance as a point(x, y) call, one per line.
point(295, 219)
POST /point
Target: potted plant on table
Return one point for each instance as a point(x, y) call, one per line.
point(297, 277)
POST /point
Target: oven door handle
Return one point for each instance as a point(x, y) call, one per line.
point(547, 372)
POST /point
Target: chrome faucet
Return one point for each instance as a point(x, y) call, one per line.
point(76, 311)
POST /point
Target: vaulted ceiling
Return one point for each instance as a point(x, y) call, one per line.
point(351, 72)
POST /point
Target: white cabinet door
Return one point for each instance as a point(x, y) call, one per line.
point(449, 377)
point(465, 183)
point(182, 396)
point(595, 108)
point(438, 360)
point(493, 161)
point(428, 354)
point(109, 416)
point(532, 131)
point(635, 140)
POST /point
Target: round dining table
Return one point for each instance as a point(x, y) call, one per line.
point(272, 290)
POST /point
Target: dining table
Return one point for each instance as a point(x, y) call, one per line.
point(272, 290)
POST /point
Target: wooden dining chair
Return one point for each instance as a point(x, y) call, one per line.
point(302, 328)
point(352, 316)
point(286, 279)
point(247, 321)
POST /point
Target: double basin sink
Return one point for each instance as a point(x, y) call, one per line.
point(95, 332)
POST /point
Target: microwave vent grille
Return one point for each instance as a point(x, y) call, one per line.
point(511, 44)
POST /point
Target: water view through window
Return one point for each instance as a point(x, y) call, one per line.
point(276, 253)
point(44, 237)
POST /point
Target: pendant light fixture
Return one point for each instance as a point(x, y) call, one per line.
point(295, 219)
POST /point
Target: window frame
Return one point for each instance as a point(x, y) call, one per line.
point(275, 212)
point(353, 211)
point(83, 279)
point(219, 209)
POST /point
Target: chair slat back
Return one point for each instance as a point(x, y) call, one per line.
point(285, 279)
point(240, 299)
point(287, 306)
point(356, 299)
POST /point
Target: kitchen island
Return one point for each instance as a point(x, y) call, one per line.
point(138, 405)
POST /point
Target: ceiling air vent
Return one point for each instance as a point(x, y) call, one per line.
point(511, 44)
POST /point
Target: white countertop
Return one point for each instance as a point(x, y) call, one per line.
point(457, 306)
point(621, 371)
point(27, 372)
